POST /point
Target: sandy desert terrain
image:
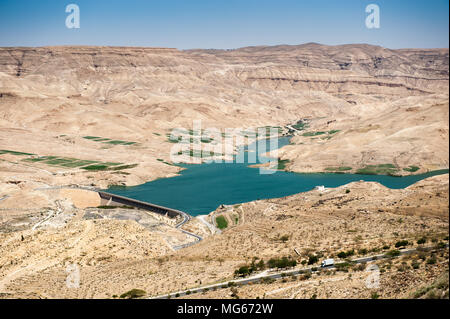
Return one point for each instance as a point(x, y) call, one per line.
point(98, 116)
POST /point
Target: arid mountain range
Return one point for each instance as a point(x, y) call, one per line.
point(387, 106)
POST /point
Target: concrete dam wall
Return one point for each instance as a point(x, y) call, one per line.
point(117, 200)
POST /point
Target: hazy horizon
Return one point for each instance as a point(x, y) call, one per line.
point(219, 49)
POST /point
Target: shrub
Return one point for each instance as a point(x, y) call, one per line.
point(401, 243)
point(284, 238)
point(422, 240)
point(359, 267)
point(242, 271)
point(267, 280)
point(345, 254)
point(305, 276)
point(281, 262)
point(221, 222)
point(362, 251)
point(393, 253)
point(343, 266)
point(342, 254)
point(312, 259)
point(133, 293)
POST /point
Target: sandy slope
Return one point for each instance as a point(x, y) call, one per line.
point(117, 256)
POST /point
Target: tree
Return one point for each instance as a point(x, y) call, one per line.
point(422, 240)
point(312, 259)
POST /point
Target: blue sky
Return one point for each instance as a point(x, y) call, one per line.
point(224, 24)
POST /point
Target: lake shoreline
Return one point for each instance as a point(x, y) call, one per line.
point(200, 189)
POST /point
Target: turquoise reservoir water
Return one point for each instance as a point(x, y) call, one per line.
point(200, 189)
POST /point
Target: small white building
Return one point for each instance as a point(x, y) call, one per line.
point(320, 188)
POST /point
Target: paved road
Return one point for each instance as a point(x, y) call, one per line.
point(274, 274)
point(213, 229)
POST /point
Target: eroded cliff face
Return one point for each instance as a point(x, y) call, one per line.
point(388, 106)
point(351, 69)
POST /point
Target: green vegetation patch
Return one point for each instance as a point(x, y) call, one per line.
point(206, 140)
point(284, 262)
point(83, 164)
point(282, 163)
point(327, 137)
point(76, 163)
point(97, 167)
point(221, 222)
point(333, 132)
point(411, 169)
point(300, 125)
point(14, 153)
point(380, 169)
point(116, 142)
point(108, 140)
point(313, 133)
point(58, 161)
point(118, 168)
point(101, 139)
point(33, 160)
point(112, 163)
point(338, 169)
point(104, 167)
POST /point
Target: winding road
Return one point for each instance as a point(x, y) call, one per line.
point(274, 274)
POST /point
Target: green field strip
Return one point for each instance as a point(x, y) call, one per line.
point(15, 153)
